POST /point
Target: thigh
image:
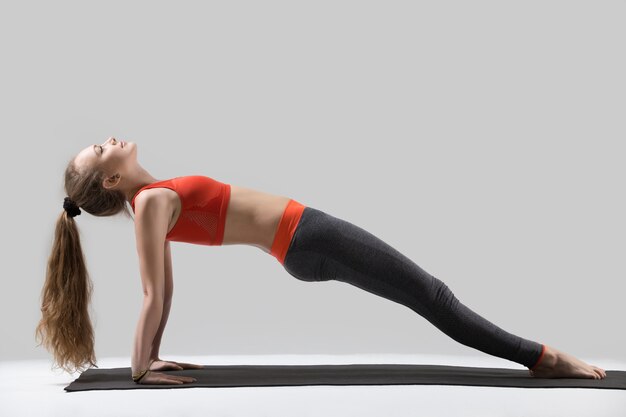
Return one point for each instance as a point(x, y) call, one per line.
point(325, 247)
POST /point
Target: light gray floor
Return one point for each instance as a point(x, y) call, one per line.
point(30, 388)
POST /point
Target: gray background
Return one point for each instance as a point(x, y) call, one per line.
point(484, 140)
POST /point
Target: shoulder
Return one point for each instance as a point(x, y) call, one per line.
point(150, 198)
point(152, 215)
point(154, 204)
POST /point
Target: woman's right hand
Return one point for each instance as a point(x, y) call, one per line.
point(156, 378)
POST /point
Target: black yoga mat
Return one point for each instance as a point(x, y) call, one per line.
point(350, 374)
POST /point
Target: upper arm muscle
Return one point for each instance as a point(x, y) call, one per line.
point(169, 279)
point(151, 224)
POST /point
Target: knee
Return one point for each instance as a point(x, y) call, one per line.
point(441, 293)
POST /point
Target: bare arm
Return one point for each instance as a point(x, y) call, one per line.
point(167, 302)
point(151, 222)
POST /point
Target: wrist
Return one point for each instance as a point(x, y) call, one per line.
point(140, 375)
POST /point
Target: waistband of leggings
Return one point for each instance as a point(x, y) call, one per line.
point(286, 228)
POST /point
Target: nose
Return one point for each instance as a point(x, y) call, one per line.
point(111, 140)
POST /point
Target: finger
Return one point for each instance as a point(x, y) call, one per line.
point(171, 366)
point(165, 367)
point(181, 378)
point(173, 380)
point(167, 381)
point(190, 365)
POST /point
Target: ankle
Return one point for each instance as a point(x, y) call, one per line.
point(546, 356)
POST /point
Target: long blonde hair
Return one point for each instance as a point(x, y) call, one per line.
point(65, 327)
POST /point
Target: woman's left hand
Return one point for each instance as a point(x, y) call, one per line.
point(161, 365)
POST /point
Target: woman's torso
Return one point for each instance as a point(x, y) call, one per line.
point(252, 216)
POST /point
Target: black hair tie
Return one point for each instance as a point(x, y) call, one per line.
point(70, 207)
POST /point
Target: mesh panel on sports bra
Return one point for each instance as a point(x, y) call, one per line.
point(208, 221)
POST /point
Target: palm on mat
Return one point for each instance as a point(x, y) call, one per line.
point(162, 365)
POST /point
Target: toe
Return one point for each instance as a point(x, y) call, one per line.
point(599, 371)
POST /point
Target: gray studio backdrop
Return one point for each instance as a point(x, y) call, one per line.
point(484, 140)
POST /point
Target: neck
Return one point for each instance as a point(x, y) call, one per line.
point(136, 180)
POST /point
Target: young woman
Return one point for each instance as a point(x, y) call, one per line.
point(310, 244)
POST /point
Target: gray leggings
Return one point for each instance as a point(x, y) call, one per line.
point(324, 248)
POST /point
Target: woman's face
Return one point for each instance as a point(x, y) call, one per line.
point(113, 157)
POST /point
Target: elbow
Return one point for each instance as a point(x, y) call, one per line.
point(154, 297)
point(153, 307)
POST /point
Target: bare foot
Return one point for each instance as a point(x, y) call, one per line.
point(557, 364)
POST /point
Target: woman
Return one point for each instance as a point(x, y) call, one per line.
point(310, 244)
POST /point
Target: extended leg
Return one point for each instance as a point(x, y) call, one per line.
point(328, 248)
point(324, 247)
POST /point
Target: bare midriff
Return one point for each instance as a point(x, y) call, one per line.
point(252, 217)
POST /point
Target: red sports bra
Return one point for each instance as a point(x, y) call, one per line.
point(203, 208)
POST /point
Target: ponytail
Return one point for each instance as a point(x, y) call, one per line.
point(65, 327)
